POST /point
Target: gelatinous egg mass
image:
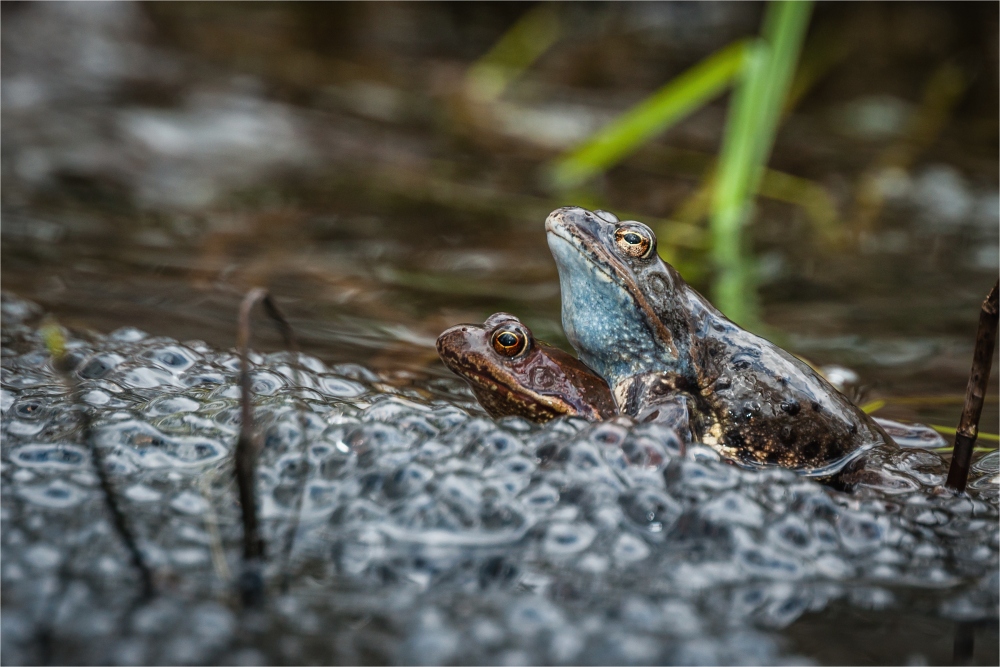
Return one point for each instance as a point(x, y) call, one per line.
point(426, 532)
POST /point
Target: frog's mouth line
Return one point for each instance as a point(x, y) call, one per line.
point(516, 392)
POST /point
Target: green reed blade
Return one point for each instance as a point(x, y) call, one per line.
point(948, 430)
point(750, 130)
point(654, 115)
point(55, 339)
point(977, 450)
point(515, 51)
point(873, 406)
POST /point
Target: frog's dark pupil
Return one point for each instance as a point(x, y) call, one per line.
point(507, 339)
point(633, 238)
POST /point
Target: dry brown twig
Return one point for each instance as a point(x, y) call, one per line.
point(979, 379)
point(251, 584)
point(55, 341)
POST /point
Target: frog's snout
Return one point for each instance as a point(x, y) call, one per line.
point(451, 340)
point(573, 221)
point(563, 217)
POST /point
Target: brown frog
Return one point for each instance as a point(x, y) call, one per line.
point(512, 373)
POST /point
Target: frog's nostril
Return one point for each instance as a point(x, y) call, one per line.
point(464, 329)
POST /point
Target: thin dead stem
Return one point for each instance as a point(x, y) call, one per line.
point(248, 448)
point(979, 379)
point(219, 562)
point(56, 344)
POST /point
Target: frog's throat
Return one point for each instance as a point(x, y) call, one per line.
point(611, 271)
point(614, 329)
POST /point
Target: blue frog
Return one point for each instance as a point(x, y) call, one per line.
point(670, 355)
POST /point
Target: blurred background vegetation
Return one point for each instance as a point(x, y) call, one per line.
point(826, 172)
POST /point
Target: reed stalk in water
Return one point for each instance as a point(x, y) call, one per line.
point(56, 343)
point(751, 127)
point(251, 584)
point(979, 379)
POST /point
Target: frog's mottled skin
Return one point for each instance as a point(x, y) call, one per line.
point(539, 383)
point(655, 339)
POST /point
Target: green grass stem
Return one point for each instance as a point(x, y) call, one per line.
point(948, 430)
point(654, 115)
point(750, 129)
point(516, 50)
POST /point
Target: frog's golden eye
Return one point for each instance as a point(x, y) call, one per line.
point(509, 342)
point(633, 242)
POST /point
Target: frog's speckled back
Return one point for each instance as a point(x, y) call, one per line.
point(634, 320)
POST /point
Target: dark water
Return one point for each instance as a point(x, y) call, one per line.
point(160, 160)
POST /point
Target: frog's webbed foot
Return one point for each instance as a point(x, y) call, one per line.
point(639, 392)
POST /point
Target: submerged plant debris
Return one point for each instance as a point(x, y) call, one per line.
point(431, 533)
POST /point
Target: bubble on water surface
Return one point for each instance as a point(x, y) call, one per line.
point(54, 495)
point(99, 365)
point(44, 456)
point(651, 510)
point(518, 468)
point(912, 435)
point(367, 439)
point(188, 502)
point(568, 538)
point(24, 428)
point(43, 557)
point(406, 480)
point(500, 443)
point(985, 475)
point(533, 615)
point(733, 508)
point(151, 448)
point(127, 335)
point(141, 493)
point(6, 400)
point(96, 398)
point(146, 377)
point(541, 497)
point(792, 534)
point(332, 385)
point(988, 464)
point(170, 405)
point(266, 383)
point(198, 376)
point(630, 549)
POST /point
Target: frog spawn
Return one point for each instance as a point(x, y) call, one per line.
point(430, 533)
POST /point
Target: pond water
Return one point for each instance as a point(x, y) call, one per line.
point(163, 159)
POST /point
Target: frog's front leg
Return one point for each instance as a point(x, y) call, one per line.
point(673, 411)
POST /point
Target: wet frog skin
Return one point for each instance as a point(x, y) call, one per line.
point(511, 373)
point(656, 341)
